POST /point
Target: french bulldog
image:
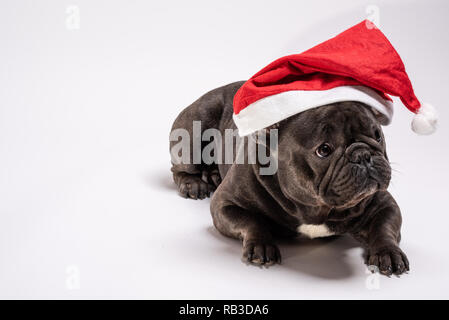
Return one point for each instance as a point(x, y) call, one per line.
point(331, 179)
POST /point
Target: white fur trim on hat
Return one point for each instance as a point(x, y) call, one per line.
point(272, 109)
point(426, 120)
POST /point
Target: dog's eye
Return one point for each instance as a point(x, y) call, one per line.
point(377, 135)
point(324, 150)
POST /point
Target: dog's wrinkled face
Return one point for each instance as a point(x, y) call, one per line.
point(333, 155)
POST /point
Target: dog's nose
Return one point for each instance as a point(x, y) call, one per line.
point(361, 156)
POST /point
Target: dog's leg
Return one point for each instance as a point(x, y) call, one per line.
point(258, 244)
point(194, 178)
point(381, 235)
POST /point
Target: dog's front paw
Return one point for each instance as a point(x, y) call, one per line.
point(389, 259)
point(192, 186)
point(261, 253)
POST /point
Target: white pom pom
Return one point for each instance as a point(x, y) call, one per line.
point(425, 121)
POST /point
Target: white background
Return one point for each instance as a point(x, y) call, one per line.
point(88, 208)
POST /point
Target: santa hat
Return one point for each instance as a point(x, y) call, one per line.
point(359, 64)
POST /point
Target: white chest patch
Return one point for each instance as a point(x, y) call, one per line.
point(315, 230)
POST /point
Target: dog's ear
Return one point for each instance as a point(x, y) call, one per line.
point(273, 126)
point(380, 117)
point(263, 136)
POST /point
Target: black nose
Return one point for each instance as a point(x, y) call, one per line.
point(361, 156)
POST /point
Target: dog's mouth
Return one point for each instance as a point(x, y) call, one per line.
point(356, 181)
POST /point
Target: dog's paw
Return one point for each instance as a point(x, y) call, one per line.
point(389, 260)
point(212, 177)
point(259, 253)
point(192, 186)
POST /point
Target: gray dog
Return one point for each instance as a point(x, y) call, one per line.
point(332, 179)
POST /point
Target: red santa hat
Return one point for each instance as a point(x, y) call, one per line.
point(359, 64)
